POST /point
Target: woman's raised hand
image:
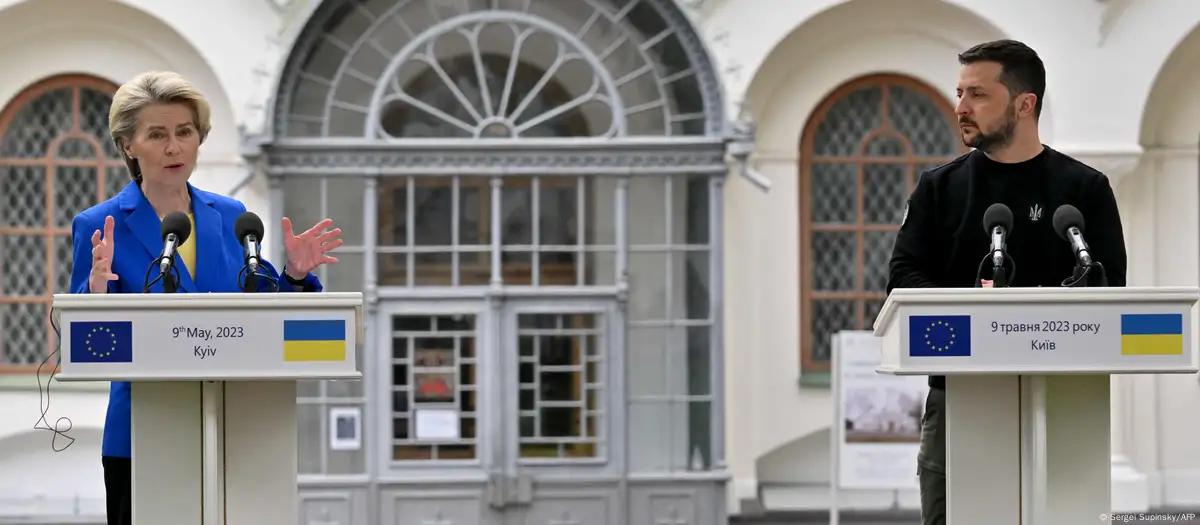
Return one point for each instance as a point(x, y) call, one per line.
point(102, 254)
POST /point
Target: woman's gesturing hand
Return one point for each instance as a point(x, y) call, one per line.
point(102, 254)
point(305, 252)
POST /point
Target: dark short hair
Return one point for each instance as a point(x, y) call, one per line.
point(1022, 70)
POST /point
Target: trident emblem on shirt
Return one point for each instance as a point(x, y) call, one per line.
point(1035, 213)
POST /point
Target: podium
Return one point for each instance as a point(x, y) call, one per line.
point(213, 394)
point(1027, 387)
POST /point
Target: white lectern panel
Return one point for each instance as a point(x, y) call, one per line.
point(1027, 387)
point(213, 399)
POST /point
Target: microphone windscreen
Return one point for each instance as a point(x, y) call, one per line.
point(178, 223)
point(1065, 217)
point(997, 215)
point(248, 224)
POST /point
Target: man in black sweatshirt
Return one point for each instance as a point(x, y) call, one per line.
point(941, 240)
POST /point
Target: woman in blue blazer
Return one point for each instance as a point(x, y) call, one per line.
point(158, 121)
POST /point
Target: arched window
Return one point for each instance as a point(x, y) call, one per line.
point(526, 103)
point(56, 159)
point(860, 155)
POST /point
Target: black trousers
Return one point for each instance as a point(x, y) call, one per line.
point(118, 489)
point(931, 460)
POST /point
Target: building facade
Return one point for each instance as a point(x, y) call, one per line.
point(531, 195)
point(607, 239)
point(850, 100)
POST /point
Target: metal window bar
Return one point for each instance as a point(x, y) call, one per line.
point(716, 308)
point(535, 226)
point(410, 232)
point(455, 196)
point(585, 388)
point(581, 212)
point(497, 240)
point(460, 389)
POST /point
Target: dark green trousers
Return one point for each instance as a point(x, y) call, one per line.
point(931, 460)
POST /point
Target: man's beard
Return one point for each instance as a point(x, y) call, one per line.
point(995, 140)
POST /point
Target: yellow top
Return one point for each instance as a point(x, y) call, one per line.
point(187, 250)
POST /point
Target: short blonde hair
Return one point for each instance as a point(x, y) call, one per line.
point(147, 89)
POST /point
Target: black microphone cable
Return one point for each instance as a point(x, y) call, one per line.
point(63, 424)
point(246, 277)
point(1080, 280)
point(175, 275)
point(1011, 273)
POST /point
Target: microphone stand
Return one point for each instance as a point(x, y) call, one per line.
point(1100, 274)
point(170, 283)
point(1082, 276)
point(249, 275)
point(999, 276)
point(168, 273)
point(1079, 276)
point(250, 284)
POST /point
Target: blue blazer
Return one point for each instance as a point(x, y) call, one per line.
point(138, 238)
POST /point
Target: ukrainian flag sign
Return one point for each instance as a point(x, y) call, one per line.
point(314, 340)
point(1151, 334)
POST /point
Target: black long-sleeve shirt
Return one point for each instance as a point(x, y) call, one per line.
point(942, 240)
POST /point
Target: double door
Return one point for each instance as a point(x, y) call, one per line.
point(501, 411)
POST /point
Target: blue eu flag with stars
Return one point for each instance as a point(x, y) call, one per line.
point(939, 336)
point(102, 342)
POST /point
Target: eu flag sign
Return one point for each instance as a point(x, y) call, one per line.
point(102, 342)
point(939, 336)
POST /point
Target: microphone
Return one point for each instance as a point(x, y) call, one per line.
point(998, 222)
point(249, 230)
point(176, 227)
point(1068, 223)
point(175, 231)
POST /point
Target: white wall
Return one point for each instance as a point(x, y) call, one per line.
point(219, 48)
point(1111, 95)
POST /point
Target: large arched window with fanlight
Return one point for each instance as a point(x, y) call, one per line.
point(531, 195)
point(506, 97)
point(861, 153)
point(56, 159)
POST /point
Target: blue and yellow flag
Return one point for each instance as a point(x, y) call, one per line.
point(939, 336)
point(102, 342)
point(1151, 334)
point(314, 340)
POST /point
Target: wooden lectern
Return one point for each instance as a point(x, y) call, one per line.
point(213, 395)
point(1027, 387)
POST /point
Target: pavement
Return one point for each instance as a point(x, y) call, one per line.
point(1176, 517)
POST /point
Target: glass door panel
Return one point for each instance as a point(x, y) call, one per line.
point(437, 385)
point(560, 383)
point(434, 362)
